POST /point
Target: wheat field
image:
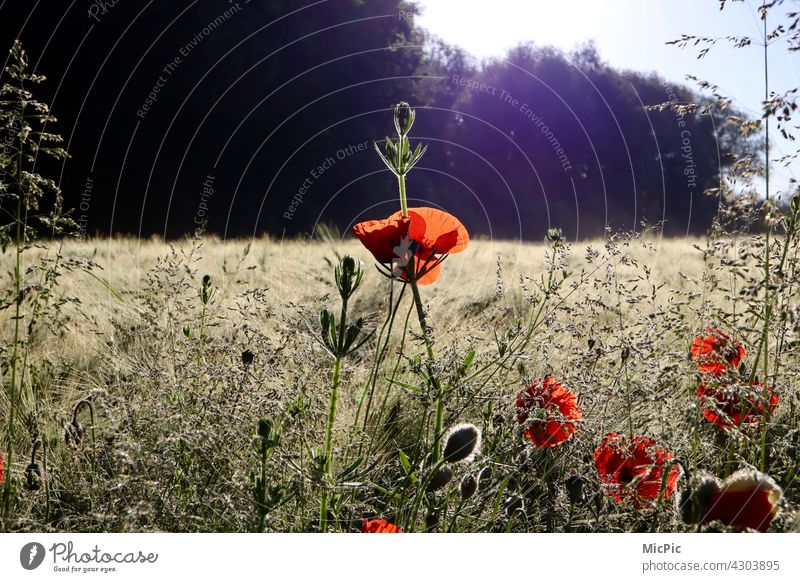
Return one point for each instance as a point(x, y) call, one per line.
point(168, 387)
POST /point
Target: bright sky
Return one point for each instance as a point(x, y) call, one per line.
point(631, 34)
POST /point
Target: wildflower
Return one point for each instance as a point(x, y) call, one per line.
point(634, 468)
point(715, 352)
point(732, 406)
point(434, 232)
point(461, 443)
point(747, 498)
point(379, 526)
point(548, 410)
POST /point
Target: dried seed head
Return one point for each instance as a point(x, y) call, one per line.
point(576, 489)
point(461, 443)
point(469, 485)
point(440, 478)
point(34, 477)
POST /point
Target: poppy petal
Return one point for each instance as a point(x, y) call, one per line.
point(437, 231)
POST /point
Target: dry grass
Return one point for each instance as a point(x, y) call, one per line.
point(176, 408)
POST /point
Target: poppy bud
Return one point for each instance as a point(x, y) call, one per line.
point(513, 504)
point(462, 443)
point(468, 487)
point(348, 273)
point(746, 499)
point(264, 428)
point(556, 237)
point(206, 292)
point(431, 521)
point(485, 479)
point(403, 118)
point(73, 433)
point(575, 486)
point(34, 477)
point(440, 478)
point(248, 357)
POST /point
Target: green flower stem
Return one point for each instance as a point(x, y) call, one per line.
point(401, 183)
point(439, 420)
point(336, 380)
point(327, 468)
point(380, 351)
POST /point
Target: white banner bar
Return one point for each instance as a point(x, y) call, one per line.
point(400, 557)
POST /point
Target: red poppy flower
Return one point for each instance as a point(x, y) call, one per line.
point(379, 526)
point(634, 468)
point(548, 409)
point(730, 406)
point(436, 233)
point(745, 499)
point(715, 352)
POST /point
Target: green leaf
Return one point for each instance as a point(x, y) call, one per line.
point(404, 461)
point(403, 384)
point(469, 359)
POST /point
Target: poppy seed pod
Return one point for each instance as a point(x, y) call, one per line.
point(440, 478)
point(461, 443)
point(468, 487)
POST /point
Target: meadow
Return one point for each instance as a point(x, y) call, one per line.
point(186, 387)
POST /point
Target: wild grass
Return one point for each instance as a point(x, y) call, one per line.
point(166, 383)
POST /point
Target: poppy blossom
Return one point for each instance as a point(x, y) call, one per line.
point(548, 410)
point(715, 352)
point(730, 406)
point(634, 468)
point(379, 526)
point(747, 498)
point(436, 233)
